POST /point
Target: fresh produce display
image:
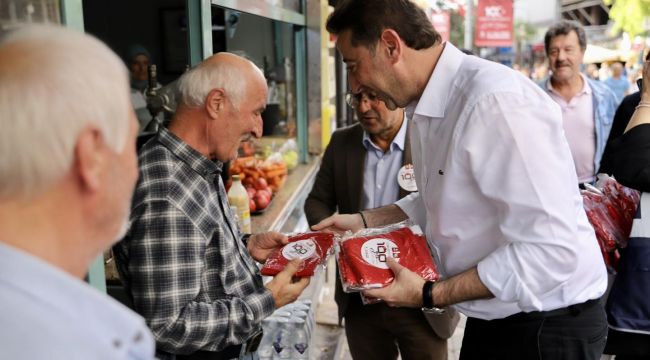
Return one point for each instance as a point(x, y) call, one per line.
point(313, 248)
point(290, 158)
point(263, 177)
point(289, 151)
point(610, 208)
point(362, 256)
point(260, 178)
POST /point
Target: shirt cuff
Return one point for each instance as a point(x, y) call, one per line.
point(499, 275)
point(261, 304)
point(413, 207)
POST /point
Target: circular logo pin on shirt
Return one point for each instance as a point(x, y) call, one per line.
point(406, 178)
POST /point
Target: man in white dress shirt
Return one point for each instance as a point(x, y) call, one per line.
point(68, 167)
point(498, 197)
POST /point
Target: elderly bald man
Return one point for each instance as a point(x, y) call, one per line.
point(189, 269)
point(67, 172)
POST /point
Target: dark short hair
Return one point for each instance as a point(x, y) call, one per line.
point(564, 27)
point(367, 19)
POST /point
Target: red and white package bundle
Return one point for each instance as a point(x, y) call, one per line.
point(313, 248)
point(362, 256)
point(610, 208)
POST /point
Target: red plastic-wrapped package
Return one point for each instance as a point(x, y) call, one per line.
point(362, 256)
point(624, 202)
point(313, 248)
point(604, 219)
point(610, 208)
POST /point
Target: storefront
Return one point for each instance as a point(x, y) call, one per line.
point(283, 37)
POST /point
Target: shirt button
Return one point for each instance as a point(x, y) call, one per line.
point(378, 186)
point(117, 343)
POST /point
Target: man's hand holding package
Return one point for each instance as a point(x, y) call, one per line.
point(404, 291)
point(284, 287)
point(260, 245)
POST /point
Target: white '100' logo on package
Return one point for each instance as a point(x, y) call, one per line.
point(376, 251)
point(300, 249)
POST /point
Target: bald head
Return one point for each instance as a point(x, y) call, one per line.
point(234, 61)
point(227, 71)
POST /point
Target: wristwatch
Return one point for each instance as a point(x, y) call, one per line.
point(427, 300)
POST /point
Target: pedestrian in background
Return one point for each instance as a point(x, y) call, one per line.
point(588, 106)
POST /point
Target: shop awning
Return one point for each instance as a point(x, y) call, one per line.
point(599, 54)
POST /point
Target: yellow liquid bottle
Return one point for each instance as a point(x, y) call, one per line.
point(238, 197)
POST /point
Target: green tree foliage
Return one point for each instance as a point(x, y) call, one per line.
point(629, 15)
point(457, 34)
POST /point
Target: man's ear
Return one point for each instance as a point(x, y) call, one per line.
point(89, 159)
point(215, 102)
point(391, 44)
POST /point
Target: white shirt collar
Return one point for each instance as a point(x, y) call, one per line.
point(439, 85)
point(399, 140)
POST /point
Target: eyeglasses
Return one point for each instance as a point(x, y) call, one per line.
point(354, 100)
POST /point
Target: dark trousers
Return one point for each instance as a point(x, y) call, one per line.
point(377, 331)
point(577, 332)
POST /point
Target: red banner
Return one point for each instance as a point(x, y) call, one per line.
point(494, 23)
point(441, 22)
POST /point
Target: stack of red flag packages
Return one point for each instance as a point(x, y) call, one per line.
point(610, 209)
point(362, 256)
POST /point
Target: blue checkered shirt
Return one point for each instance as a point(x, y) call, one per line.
point(182, 260)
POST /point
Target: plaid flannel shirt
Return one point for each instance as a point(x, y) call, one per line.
point(182, 260)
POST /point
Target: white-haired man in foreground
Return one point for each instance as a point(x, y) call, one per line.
point(67, 171)
point(188, 268)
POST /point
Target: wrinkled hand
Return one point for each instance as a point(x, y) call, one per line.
point(340, 223)
point(261, 245)
point(284, 287)
point(404, 291)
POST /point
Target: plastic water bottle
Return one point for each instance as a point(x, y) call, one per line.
point(302, 306)
point(300, 339)
point(265, 350)
point(281, 340)
point(282, 313)
point(307, 303)
point(305, 318)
